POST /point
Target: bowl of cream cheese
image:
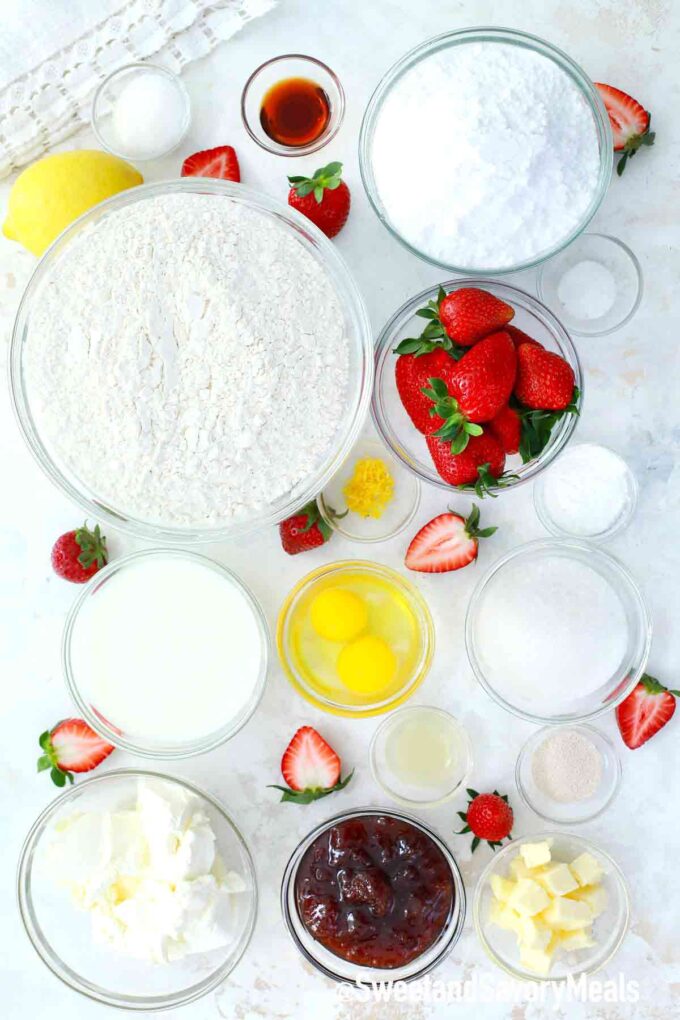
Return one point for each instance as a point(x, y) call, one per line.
point(137, 890)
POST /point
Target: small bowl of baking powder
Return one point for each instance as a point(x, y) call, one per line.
point(568, 774)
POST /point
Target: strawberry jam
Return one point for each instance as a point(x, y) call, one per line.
point(374, 890)
point(295, 111)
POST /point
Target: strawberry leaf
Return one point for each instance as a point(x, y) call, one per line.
point(313, 793)
point(93, 546)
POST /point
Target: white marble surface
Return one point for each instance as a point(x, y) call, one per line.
point(631, 403)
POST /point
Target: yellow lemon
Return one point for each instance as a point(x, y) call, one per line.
point(338, 614)
point(367, 665)
point(56, 190)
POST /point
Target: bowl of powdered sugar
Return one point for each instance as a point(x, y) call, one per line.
point(191, 360)
point(485, 150)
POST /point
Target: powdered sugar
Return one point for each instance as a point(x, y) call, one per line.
point(188, 360)
point(485, 155)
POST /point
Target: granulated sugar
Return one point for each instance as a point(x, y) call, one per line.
point(567, 767)
point(485, 154)
point(587, 490)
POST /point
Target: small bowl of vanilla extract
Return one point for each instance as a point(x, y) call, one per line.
point(292, 105)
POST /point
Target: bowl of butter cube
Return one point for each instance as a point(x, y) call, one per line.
point(550, 907)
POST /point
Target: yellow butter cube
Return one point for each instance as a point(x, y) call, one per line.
point(567, 914)
point(586, 869)
point(594, 895)
point(501, 887)
point(557, 879)
point(529, 898)
point(518, 868)
point(536, 960)
point(534, 934)
point(505, 917)
point(570, 941)
point(535, 854)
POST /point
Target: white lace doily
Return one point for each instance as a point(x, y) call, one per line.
point(51, 101)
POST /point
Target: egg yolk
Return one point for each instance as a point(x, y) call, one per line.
point(367, 665)
point(338, 615)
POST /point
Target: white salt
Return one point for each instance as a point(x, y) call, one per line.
point(587, 290)
point(587, 490)
point(149, 115)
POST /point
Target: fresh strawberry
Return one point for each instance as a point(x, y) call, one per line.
point(518, 336)
point(469, 314)
point(646, 709)
point(324, 198)
point(78, 555)
point(304, 530)
point(221, 162)
point(629, 120)
point(413, 373)
point(545, 381)
point(448, 542)
point(310, 767)
point(489, 817)
point(506, 427)
point(484, 377)
point(72, 746)
point(479, 465)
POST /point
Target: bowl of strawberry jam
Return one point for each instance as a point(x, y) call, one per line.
point(373, 895)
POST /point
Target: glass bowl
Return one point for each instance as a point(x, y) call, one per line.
point(396, 516)
point(95, 710)
point(61, 935)
point(108, 92)
point(616, 308)
point(573, 812)
point(335, 967)
point(547, 516)
point(396, 428)
point(291, 65)
point(499, 587)
point(609, 929)
point(460, 38)
point(420, 790)
point(360, 376)
point(329, 694)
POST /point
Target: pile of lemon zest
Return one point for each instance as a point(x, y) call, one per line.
point(370, 489)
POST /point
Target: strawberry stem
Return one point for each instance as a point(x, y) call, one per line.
point(93, 546)
point(312, 793)
point(48, 760)
point(326, 178)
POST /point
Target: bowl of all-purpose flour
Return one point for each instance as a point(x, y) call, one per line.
point(191, 360)
point(485, 150)
point(557, 631)
point(137, 890)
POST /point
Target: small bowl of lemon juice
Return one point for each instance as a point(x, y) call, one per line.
point(420, 756)
point(355, 638)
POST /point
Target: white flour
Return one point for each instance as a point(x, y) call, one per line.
point(188, 360)
point(485, 154)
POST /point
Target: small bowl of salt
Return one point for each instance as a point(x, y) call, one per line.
point(568, 774)
point(141, 112)
point(589, 492)
point(594, 286)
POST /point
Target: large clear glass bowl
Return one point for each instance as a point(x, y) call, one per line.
point(395, 426)
point(461, 38)
point(609, 929)
point(360, 374)
point(61, 933)
point(497, 585)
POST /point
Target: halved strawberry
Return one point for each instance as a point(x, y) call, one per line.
point(310, 767)
point(629, 120)
point(448, 542)
point(647, 708)
point(71, 746)
point(221, 162)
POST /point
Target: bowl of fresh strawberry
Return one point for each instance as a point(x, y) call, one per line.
point(477, 386)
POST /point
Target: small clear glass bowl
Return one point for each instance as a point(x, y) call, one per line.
point(291, 65)
point(84, 695)
point(360, 379)
point(61, 935)
point(626, 273)
point(573, 812)
point(396, 516)
point(493, 35)
point(393, 423)
point(609, 929)
point(418, 794)
point(335, 967)
point(354, 706)
point(542, 501)
point(613, 688)
point(105, 97)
